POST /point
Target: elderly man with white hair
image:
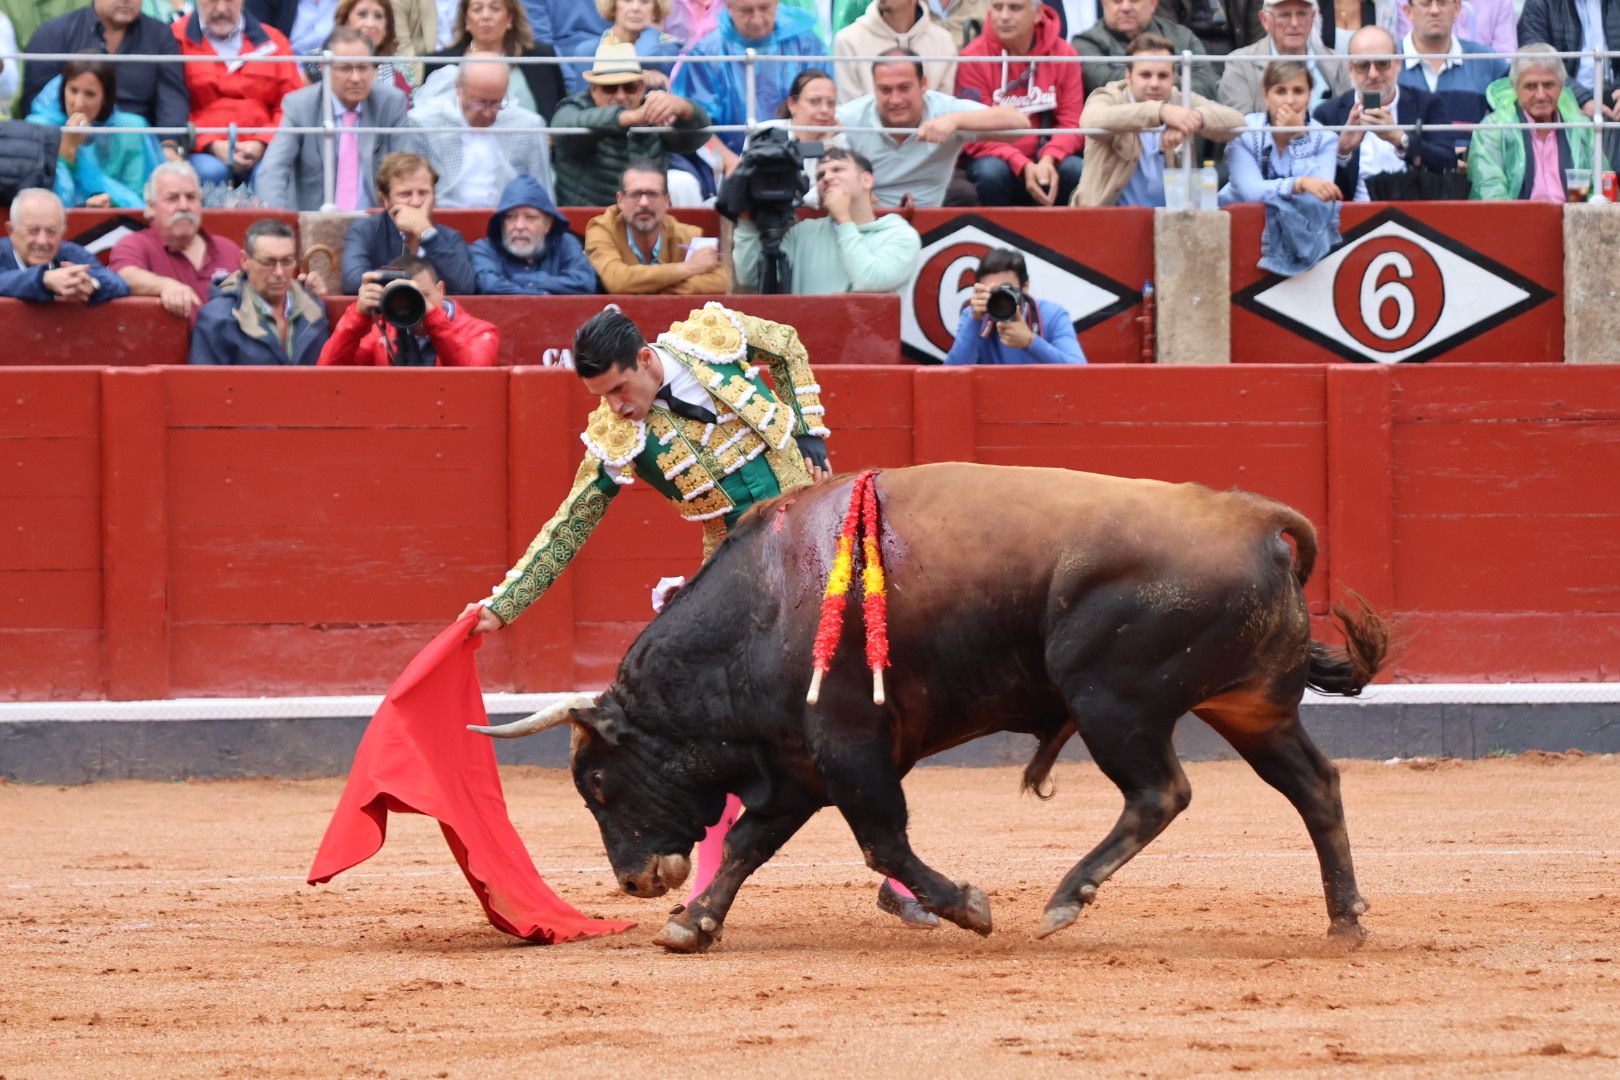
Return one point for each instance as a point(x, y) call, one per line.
point(37, 265)
point(1526, 164)
point(477, 161)
point(1289, 35)
point(176, 260)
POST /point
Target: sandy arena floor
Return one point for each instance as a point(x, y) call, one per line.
point(165, 930)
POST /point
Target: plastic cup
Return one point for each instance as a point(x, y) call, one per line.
point(1577, 185)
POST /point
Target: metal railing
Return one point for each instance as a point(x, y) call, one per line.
point(751, 60)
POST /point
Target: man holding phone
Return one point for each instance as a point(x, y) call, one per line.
point(1377, 99)
point(636, 247)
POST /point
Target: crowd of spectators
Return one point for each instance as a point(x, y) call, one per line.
point(428, 104)
point(454, 82)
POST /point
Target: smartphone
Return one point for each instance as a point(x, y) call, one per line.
point(1371, 99)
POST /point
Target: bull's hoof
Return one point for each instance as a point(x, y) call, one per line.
point(1059, 915)
point(911, 914)
point(1347, 933)
point(676, 936)
point(1057, 918)
point(976, 912)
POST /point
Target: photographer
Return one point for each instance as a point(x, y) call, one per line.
point(848, 250)
point(370, 335)
point(1004, 324)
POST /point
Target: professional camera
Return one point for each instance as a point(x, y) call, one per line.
point(1004, 303)
point(768, 184)
point(403, 304)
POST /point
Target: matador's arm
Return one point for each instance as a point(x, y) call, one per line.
point(777, 345)
point(558, 541)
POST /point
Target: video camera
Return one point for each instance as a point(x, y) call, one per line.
point(768, 184)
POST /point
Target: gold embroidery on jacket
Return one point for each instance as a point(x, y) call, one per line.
point(559, 540)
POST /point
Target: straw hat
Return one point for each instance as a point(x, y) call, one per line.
point(616, 62)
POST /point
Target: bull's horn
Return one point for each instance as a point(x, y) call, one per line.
point(555, 716)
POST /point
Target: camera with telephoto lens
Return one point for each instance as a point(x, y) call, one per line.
point(768, 184)
point(402, 304)
point(1004, 303)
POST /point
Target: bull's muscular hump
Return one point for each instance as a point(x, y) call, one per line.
point(1030, 600)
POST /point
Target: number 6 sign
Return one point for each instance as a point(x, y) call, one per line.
point(1396, 290)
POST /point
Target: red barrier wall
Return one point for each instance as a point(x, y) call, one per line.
point(857, 328)
point(238, 531)
point(1454, 282)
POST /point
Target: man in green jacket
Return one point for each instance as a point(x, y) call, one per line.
point(1502, 162)
point(1121, 21)
point(587, 167)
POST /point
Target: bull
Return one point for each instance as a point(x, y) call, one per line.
point(1038, 601)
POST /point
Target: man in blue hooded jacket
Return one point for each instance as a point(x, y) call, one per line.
point(720, 89)
point(528, 250)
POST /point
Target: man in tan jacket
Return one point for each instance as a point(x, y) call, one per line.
point(637, 248)
point(1127, 167)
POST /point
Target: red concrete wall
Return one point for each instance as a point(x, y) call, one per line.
point(177, 532)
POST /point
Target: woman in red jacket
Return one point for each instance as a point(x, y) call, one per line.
point(447, 336)
point(233, 91)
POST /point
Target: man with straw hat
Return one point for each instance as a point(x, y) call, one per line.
point(615, 102)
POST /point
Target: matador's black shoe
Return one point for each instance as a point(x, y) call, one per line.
point(906, 909)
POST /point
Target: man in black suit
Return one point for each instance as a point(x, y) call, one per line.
point(1363, 153)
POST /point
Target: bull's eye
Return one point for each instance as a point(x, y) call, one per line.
point(594, 781)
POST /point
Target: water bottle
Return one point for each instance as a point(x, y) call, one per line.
point(1208, 187)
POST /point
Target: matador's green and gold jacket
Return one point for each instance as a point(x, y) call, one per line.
point(710, 472)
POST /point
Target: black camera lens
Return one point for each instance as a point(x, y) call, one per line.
point(1004, 303)
point(402, 304)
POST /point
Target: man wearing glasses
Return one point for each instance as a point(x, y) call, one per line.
point(1435, 62)
point(614, 103)
point(1288, 34)
point(638, 248)
point(495, 140)
point(293, 173)
point(1377, 99)
point(262, 314)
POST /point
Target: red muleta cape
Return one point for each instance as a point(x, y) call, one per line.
point(417, 757)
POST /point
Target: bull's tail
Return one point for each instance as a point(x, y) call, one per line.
point(1346, 670)
point(1298, 526)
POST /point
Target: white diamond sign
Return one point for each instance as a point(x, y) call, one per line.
point(1395, 291)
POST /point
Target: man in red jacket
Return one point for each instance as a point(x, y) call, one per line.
point(1038, 169)
point(447, 336)
point(232, 91)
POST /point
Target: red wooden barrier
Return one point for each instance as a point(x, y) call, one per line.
point(241, 531)
point(857, 328)
point(1419, 281)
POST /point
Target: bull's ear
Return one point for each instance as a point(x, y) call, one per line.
point(605, 721)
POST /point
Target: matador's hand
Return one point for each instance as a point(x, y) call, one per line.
point(487, 622)
point(817, 472)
